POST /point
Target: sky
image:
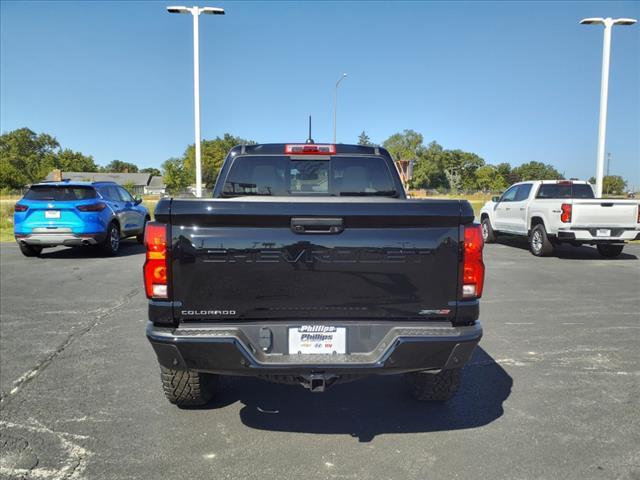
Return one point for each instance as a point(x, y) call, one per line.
point(512, 82)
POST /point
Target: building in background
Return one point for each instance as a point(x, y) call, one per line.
point(137, 183)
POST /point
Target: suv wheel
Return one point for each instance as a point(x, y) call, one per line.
point(488, 235)
point(186, 388)
point(111, 245)
point(30, 250)
point(140, 236)
point(608, 250)
point(539, 243)
point(434, 387)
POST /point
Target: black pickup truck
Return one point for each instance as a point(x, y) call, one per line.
point(310, 266)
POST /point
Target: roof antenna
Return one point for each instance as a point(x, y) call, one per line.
point(310, 140)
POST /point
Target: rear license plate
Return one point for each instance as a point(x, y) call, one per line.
point(52, 214)
point(317, 339)
point(603, 232)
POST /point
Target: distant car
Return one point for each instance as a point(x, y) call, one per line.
point(77, 214)
point(551, 212)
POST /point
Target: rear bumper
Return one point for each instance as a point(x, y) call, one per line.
point(61, 238)
point(590, 235)
point(238, 350)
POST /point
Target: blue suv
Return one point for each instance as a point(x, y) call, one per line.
point(77, 214)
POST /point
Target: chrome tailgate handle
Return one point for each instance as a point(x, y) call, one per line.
point(317, 225)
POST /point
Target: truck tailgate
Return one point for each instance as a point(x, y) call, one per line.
point(604, 213)
point(318, 259)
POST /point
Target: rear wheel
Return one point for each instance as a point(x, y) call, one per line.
point(539, 243)
point(434, 387)
point(488, 235)
point(30, 250)
point(186, 388)
point(140, 236)
point(111, 245)
point(608, 250)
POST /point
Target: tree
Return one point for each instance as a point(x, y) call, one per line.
point(118, 166)
point(426, 170)
point(69, 161)
point(537, 171)
point(176, 176)
point(438, 168)
point(490, 179)
point(363, 139)
point(510, 176)
point(404, 146)
point(152, 171)
point(25, 157)
point(611, 184)
point(213, 154)
point(130, 186)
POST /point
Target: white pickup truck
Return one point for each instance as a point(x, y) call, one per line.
point(550, 212)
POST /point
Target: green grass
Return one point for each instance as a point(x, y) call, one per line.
point(6, 218)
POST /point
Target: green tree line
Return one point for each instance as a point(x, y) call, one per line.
point(441, 169)
point(27, 157)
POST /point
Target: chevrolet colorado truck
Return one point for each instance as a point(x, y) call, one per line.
point(550, 212)
point(309, 266)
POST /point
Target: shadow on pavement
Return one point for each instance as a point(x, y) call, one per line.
point(127, 247)
point(565, 251)
point(372, 406)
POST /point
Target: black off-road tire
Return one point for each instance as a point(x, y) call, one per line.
point(609, 250)
point(140, 236)
point(488, 235)
point(539, 243)
point(110, 247)
point(30, 250)
point(434, 387)
point(186, 388)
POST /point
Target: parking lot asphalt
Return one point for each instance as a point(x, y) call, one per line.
point(552, 392)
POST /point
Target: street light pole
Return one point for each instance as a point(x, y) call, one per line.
point(335, 106)
point(196, 99)
point(604, 89)
point(195, 12)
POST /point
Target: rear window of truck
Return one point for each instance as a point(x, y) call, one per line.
point(60, 193)
point(565, 190)
point(283, 176)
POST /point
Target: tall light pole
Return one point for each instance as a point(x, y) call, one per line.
point(195, 12)
point(604, 88)
point(335, 106)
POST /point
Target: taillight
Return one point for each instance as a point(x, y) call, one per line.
point(473, 266)
point(92, 207)
point(155, 266)
point(20, 208)
point(565, 216)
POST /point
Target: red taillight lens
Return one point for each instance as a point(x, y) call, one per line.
point(92, 207)
point(473, 266)
point(565, 216)
point(20, 208)
point(310, 149)
point(155, 267)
